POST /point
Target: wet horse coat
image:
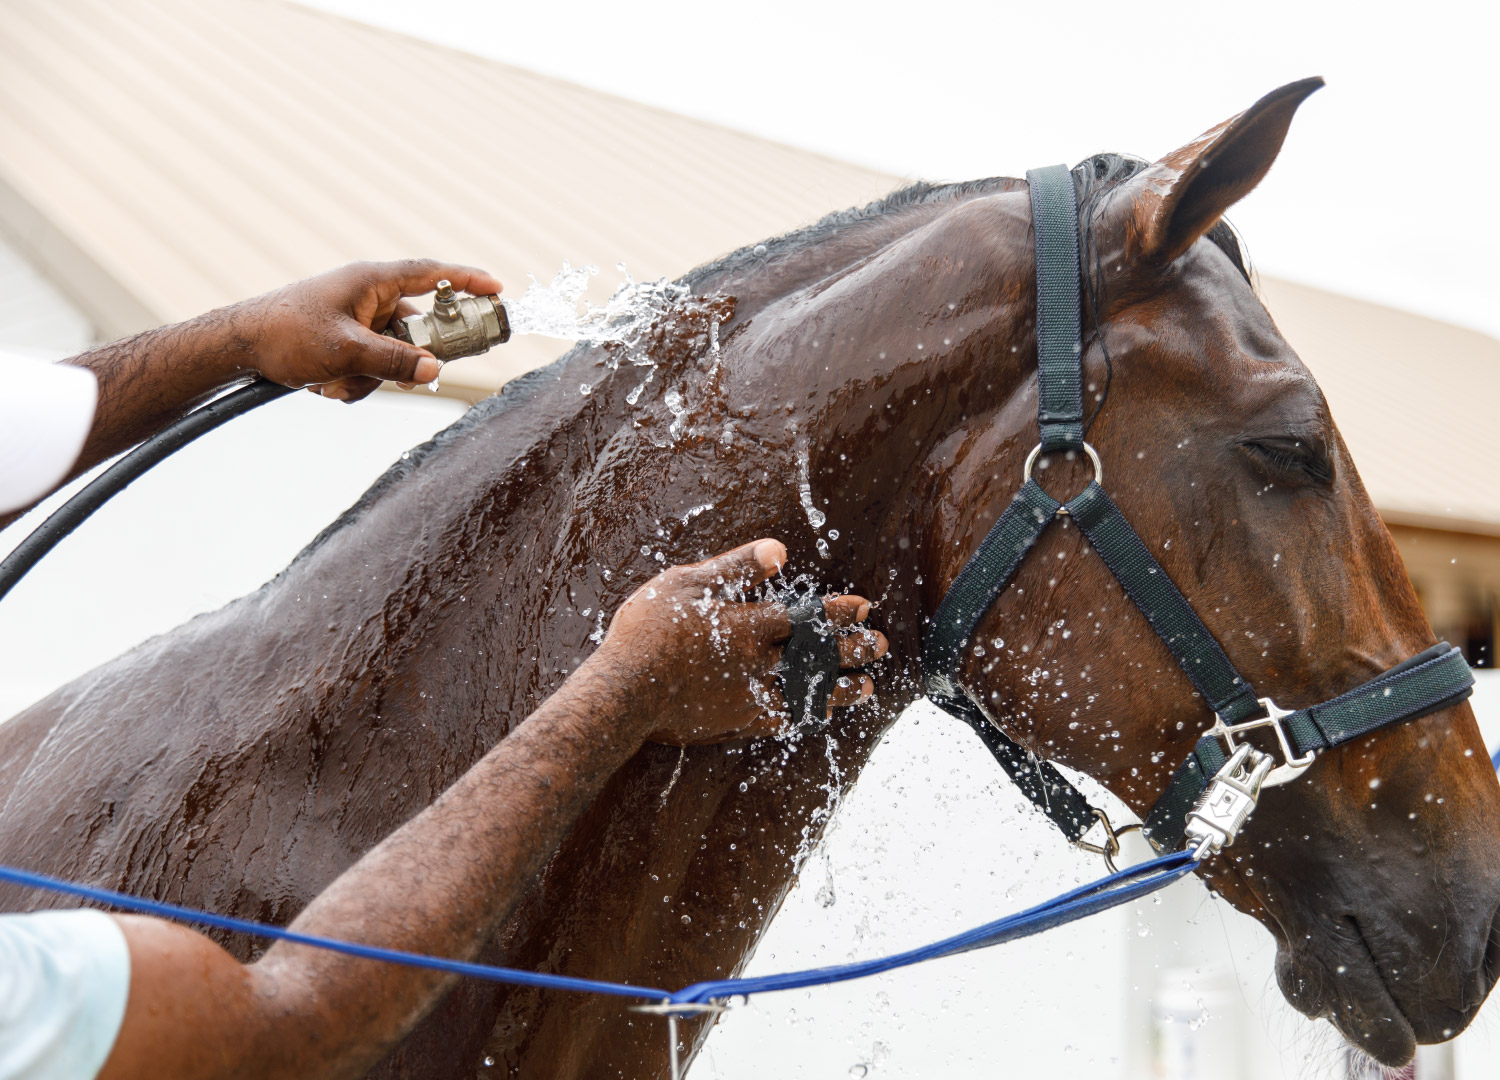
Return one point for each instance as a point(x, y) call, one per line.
point(878, 369)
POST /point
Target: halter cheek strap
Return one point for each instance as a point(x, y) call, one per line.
point(1433, 680)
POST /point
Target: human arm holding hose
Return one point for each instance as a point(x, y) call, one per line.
point(447, 879)
point(322, 333)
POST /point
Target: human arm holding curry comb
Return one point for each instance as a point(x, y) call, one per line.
point(444, 882)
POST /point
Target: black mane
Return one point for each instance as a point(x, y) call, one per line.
point(920, 193)
point(1093, 177)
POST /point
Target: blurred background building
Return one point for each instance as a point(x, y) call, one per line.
point(158, 159)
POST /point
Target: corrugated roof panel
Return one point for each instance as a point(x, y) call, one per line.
point(1415, 400)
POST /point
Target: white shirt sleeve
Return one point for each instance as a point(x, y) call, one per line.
point(64, 978)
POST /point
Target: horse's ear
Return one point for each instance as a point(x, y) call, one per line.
point(1184, 194)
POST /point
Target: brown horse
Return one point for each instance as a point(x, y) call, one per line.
point(868, 397)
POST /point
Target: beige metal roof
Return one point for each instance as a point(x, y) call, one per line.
point(162, 157)
point(1416, 399)
point(169, 156)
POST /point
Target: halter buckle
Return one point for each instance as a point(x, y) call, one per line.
point(1294, 766)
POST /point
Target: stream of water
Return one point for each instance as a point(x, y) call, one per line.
point(558, 309)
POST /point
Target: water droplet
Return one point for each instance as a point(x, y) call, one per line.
point(489, 1062)
point(585, 389)
point(760, 250)
point(687, 920)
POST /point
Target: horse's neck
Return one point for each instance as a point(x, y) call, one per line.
point(493, 556)
point(497, 555)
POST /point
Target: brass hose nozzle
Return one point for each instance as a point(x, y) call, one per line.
point(456, 326)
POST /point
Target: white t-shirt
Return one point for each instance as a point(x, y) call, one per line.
point(64, 978)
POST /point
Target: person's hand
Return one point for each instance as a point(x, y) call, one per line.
point(324, 332)
point(700, 658)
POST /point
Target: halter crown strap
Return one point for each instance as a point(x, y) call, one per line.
point(1435, 679)
point(1059, 325)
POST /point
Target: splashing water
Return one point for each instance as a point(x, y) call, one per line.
point(559, 310)
point(815, 517)
point(673, 400)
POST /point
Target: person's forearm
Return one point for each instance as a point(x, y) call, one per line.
point(440, 885)
point(443, 882)
point(322, 332)
point(150, 379)
point(672, 668)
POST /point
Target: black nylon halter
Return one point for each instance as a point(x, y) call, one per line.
point(1432, 680)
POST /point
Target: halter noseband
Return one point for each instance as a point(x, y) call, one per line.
point(1429, 681)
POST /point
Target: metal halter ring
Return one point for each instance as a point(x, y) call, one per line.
point(1036, 452)
point(1111, 846)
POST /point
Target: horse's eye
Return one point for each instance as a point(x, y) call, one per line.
point(1291, 459)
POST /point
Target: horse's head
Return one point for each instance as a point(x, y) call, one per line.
point(1376, 870)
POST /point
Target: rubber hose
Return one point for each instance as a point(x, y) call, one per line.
point(123, 472)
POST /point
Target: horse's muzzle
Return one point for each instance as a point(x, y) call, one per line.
point(1387, 989)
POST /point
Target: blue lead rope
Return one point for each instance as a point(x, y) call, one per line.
point(369, 952)
point(1107, 892)
point(1119, 888)
point(1111, 891)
